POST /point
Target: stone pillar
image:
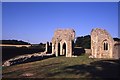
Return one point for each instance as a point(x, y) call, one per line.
point(56, 49)
point(111, 48)
point(53, 48)
point(70, 55)
point(69, 49)
point(47, 47)
point(61, 48)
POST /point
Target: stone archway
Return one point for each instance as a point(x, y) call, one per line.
point(63, 36)
point(64, 49)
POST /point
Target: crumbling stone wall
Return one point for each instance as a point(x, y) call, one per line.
point(103, 45)
point(62, 42)
point(116, 52)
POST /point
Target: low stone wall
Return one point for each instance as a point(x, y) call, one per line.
point(88, 51)
point(116, 52)
point(27, 58)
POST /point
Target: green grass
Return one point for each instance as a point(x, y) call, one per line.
point(64, 67)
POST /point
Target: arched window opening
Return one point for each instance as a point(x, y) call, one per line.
point(105, 46)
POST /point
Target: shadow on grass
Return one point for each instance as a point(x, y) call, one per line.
point(10, 52)
point(99, 69)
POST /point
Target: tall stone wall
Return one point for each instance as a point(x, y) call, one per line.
point(102, 44)
point(62, 42)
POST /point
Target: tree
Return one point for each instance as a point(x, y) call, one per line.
point(83, 41)
point(116, 39)
point(14, 42)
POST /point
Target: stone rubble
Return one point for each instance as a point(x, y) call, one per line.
point(23, 58)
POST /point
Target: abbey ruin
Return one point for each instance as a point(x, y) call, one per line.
point(102, 44)
point(62, 42)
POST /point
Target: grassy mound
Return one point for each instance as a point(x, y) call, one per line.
point(64, 67)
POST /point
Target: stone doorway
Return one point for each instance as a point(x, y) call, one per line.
point(64, 49)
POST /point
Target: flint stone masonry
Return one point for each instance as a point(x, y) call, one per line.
point(62, 42)
point(103, 45)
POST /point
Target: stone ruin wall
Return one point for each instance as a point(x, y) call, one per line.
point(63, 36)
point(116, 52)
point(98, 38)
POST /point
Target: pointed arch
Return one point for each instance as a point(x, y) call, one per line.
point(64, 48)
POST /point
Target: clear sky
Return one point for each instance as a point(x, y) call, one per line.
point(36, 22)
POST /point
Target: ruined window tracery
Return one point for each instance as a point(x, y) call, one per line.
point(105, 46)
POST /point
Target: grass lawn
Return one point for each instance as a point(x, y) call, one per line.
point(64, 67)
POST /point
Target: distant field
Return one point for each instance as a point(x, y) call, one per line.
point(64, 67)
point(11, 45)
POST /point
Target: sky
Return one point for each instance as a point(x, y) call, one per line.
point(35, 22)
